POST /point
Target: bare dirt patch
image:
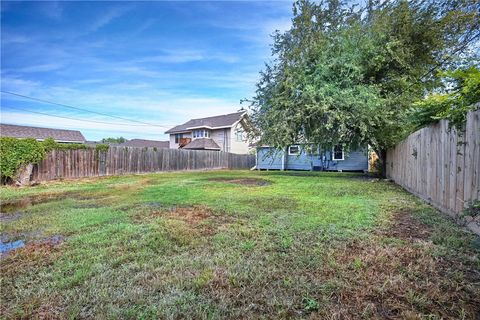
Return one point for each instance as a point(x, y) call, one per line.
point(192, 215)
point(244, 182)
point(406, 227)
point(198, 219)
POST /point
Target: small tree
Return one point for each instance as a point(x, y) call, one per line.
point(114, 140)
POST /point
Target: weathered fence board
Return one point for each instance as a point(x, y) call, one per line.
point(124, 160)
point(440, 165)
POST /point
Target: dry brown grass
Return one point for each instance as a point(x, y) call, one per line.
point(400, 281)
point(33, 255)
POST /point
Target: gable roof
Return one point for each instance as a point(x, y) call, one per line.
point(59, 135)
point(142, 143)
point(202, 144)
point(216, 122)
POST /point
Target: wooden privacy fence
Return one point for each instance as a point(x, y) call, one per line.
point(123, 160)
point(440, 166)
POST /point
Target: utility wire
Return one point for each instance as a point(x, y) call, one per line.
point(81, 109)
point(76, 119)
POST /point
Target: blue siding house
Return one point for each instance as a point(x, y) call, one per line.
point(296, 157)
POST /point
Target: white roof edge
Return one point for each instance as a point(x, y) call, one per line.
point(211, 128)
point(200, 127)
point(66, 141)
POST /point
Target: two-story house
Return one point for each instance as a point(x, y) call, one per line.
point(222, 133)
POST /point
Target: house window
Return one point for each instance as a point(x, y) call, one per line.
point(337, 153)
point(293, 150)
point(201, 133)
point(239, 135)
point(178, 136)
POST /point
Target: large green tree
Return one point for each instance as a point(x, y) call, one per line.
point(347, 75)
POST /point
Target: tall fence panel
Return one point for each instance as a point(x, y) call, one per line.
point(61, 164)
point(440, 165)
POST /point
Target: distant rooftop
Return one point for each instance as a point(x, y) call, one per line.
point(202, 144)
point(142, 143)
point(222, 121)
point(59, 135)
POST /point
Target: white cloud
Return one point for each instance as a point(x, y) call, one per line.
point(18, 85)
point(107, 17)
point(42, 67)
point(91, 130)
point(150, 106)
point(181, 55)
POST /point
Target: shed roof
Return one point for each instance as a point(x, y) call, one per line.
point(59, 135)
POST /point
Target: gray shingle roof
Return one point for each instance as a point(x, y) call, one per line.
point(59, 135)
point(226, 120)
point(202, 144)
point(142, 143)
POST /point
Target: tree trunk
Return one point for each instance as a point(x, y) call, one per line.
point(382, 155)
point(24, 175)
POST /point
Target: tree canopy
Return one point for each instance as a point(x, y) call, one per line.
point(114, 140)
point(348, 75)
point(460, 94)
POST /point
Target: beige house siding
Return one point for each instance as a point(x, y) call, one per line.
point(240, 147)
point(220, 136)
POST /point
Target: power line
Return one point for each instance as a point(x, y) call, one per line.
point(81, 109)
point(76, 119)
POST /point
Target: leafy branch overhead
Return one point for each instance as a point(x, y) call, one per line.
point(344, 75)
point(460, 95)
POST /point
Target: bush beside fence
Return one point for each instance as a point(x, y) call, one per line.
point(60, 164)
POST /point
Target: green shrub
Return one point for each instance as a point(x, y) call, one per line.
point(50, 145)
point(101, 147)
point(473, 209)
point(16, 152)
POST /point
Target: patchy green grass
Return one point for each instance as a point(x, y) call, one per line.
point(221, 244)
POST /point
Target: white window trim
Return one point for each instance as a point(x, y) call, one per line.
point(200, 133)
point(333, 155)
point(294, 154)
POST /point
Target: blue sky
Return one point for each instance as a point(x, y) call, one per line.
point(157, 62)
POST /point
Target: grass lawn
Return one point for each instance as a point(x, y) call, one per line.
point(224, 244)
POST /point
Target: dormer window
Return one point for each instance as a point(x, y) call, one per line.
point(201, 133)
